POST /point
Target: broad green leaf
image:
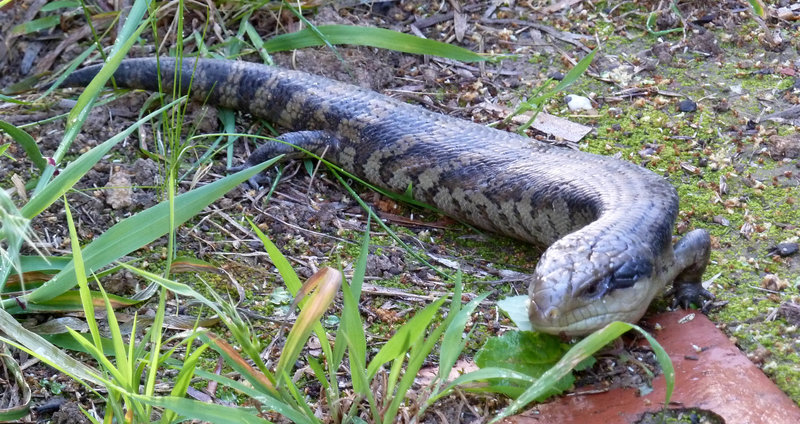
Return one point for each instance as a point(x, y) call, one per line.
point(577, 356)
point(516, 307)
point(528, 353)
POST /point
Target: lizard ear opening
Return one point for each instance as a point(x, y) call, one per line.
point(623, 277)
point(630, 272)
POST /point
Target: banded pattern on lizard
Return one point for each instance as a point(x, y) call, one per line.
point(608, 223)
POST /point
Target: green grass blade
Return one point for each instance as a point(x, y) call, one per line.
point(124, 363)
point(335, 170)
point(663, 359)
point(257, 379)
point(279, 260)
point(14, 229)
point(27, 142)
point(175, 287)
point(419, 353)
point(651, 21)
point(360, 268)
point(206, 412)
point(80, 277)
point(138, 230)
point(487, 373)
point(538, 100)
point(319, 372)
point(454, 342)
point(288, 385)
point(70, 68)
point(155, 333)
point(83, 106)
point(97, 352)
point(67, 341)
point(43, 263)
point(351, 318)
point(42, 349)
point(22, 406)
point(575, 73)
point(268, 402)
point(358, 372)
point(60, 4)
point(315, 31)
point(758, 7)
point(70, 302)
point(292, 281)
point(327, 281)
point(410, 333)
point(369, 36)
point(351, 330)
point(182, 381)
point(36, 25)
point(77, 169)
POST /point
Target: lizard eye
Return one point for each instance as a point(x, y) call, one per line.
point(597, 288)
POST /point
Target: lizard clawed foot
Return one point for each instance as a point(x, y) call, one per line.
point(687, 294)
point(256, 181)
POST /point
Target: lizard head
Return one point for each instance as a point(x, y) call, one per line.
point(578, 287)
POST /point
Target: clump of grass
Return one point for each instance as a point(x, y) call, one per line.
point(128, 370)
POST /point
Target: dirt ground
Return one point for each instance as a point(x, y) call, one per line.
point(713, 107)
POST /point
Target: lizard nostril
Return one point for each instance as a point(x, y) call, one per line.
point(552, 313)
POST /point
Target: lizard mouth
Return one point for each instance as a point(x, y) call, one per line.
point(580, 321)
point(574, 316)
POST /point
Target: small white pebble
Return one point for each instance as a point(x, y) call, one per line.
point(577, 103)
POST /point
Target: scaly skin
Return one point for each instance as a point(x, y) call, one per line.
point(608, 223)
